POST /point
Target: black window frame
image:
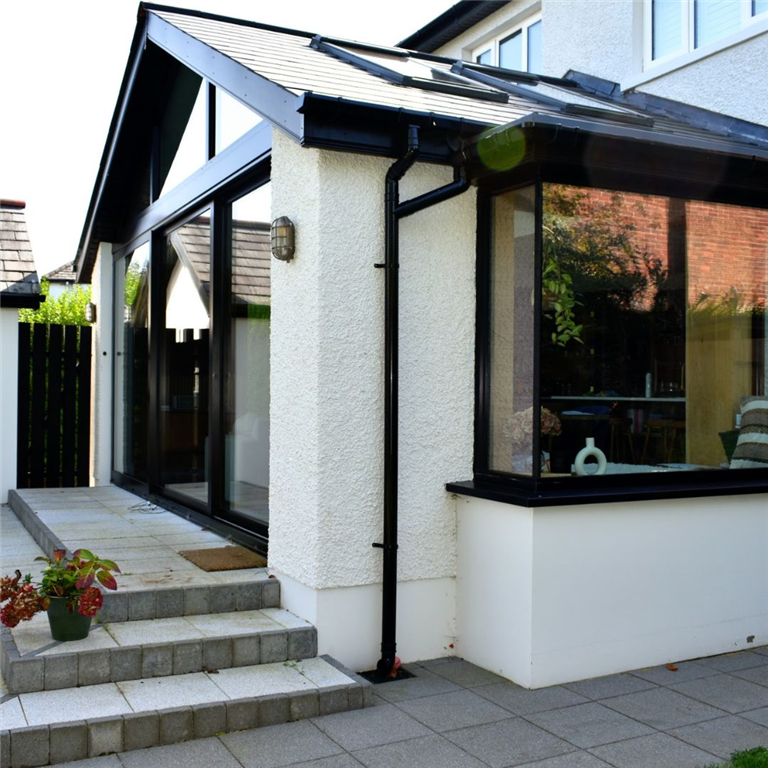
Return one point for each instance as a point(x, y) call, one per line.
point(535, 491)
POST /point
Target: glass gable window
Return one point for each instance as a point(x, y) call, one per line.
point(651, 333)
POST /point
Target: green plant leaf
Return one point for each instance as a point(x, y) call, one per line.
point(107, 579)
point(84, 554)
point(110, 565)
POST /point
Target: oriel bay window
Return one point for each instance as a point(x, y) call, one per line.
point(625, 335)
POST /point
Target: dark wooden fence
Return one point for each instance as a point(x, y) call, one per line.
point(54, 405)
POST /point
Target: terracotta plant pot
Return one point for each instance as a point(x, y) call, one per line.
point(67, 626)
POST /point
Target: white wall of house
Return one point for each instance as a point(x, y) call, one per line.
point(102, 368)
point(588, 590)
point(9, 397)
point(326, 463)
point(606, 39)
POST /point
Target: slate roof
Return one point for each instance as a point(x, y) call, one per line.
point(251, 258)
point(19, 285)
point(332, 93)
point(64, 274)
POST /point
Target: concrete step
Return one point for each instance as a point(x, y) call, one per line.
point(156, 582)
point(113, 652)
point(72, 724)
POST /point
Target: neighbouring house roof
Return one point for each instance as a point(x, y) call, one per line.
point(457, 19)
point(66, 273)
point(250, 258)
point(19, 286)
point(338, 94)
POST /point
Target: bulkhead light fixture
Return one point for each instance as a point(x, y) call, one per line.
point(90, 312)
point(283, 237)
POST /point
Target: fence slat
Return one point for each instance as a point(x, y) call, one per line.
point(53, 411)
point(37, 426)
point(84, 407)
point(69, 406)
point(22, 438)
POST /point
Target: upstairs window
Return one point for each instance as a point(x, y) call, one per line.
point(677, 27)
point(519, 49)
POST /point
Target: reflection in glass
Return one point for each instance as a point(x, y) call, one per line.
point(184, 390)
point(716, 19)
point(512, 332)
point(233, 120)
point(534, 47)
point(652, 326)
point(131, 385)
point(246, 398)
point(667, 27)
point(511, 52)
point(486, 57)
point(191, 152)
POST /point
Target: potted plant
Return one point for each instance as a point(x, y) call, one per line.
point(66, 591)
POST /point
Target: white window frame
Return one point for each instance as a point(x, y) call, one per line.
point(749, 26)
point(493, 43)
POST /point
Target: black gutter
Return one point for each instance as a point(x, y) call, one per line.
point(394, 211)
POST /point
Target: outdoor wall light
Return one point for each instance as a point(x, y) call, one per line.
point(90, 312)
point(283, 236)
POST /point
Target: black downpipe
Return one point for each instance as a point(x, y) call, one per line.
point(394, 211)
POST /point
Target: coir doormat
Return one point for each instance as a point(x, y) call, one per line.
point(224, 558)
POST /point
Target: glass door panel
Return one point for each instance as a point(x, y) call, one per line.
point(246, 395)
point(185, 364)
point(131, 386)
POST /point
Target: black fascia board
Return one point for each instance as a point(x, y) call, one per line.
point(11, 300)
point(365, 128)
point(86, 255)
point(697, 117)
point(274, 102)
point(457, 19)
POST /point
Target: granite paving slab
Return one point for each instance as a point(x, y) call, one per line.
point(589, 725)
point(12, 715)
point(725, 736)
point(682, 672)
point(578, 759)
point(611, 685)
point(202, 753)
point(45, 707)
point(655, 751)
point(449, 711)
point(426, 683)
point(732, 662)
point(372, 727)
point(426, 752)
point(508, 742)
point(521, 701)
point(167, 692)
point(280, 745)
point(726, 692)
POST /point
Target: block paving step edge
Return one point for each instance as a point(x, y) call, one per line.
point(30, 673)
point(40, 745)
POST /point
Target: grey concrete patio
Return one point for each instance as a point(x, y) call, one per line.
point(455, 715)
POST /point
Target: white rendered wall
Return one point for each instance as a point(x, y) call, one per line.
point(327, 341)
point(612, 587)
point(9, 397)
point(102, 367)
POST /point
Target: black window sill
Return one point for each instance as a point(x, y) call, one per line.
point(617, 488)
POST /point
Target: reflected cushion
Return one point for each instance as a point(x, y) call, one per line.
point(752, 445)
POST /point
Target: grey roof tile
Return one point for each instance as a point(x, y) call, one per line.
point(18, 275)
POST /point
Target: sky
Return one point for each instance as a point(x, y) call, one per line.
point(61, 65)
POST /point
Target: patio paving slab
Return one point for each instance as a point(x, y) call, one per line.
point(108, 761)
point(655, 751)
point(372, 727)
point(280, 745)
point(167, 692)
point(757, 716)
point(685, 670)
point(509, 742)
point(589, 725)
point(466, 675)
point(344, 760)
point(726, 692)
point(521, 701)
point(662, 708)
point(449, 711)
point(11, 715)
point(426, 683)
point(598, 688)
point(203, 753)
point(578, 759)
point(426, 752)
point(45, 707)
point(732, 662)
point(757, 675)
point(725, 736)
